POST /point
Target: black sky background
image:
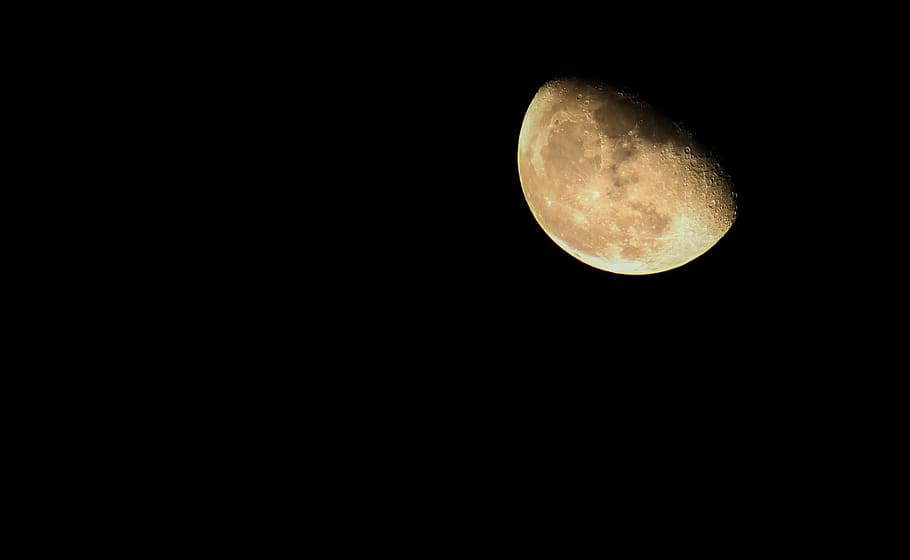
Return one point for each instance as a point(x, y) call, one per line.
point(294, 247)
point(334, 253)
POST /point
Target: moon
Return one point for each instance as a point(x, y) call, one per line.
point(617, 185)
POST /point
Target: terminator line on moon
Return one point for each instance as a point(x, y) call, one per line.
point(617, 185)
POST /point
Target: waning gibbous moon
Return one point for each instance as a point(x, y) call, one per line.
point(617, 185)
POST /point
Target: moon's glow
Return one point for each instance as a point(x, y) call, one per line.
point(616, 185)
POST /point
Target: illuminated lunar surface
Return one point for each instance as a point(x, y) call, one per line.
point(617, 185)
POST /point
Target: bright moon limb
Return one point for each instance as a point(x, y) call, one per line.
point(615, 184)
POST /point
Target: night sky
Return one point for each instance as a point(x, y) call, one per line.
point(310, 253)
